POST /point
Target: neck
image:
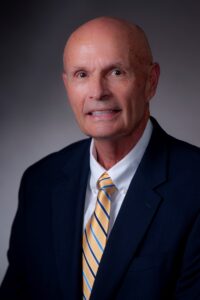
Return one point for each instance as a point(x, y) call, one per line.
point(109, 151)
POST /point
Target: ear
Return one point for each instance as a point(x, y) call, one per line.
point(64, 77)
point(152, 81)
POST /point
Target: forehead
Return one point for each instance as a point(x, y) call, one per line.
point(100, 43)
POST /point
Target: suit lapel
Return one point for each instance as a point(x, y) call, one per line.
point(137, 212)
point(67, 215)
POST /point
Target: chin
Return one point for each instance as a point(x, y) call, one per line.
point(104, 135)
point(98, 132)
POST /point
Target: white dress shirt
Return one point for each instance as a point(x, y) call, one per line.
point(121, 174)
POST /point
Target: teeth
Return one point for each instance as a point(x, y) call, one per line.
point(101, 112)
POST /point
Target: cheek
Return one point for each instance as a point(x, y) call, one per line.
point(133, 104)
point(75, 100)
point(75, 108)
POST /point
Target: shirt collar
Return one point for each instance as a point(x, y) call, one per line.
point(123, 171)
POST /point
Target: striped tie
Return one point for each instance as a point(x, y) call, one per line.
point(95, 234)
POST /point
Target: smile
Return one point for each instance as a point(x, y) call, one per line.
point(104, 114)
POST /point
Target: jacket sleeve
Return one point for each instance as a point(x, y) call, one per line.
point(13, 285)
point(188, 285)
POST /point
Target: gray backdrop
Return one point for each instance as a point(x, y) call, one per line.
point(35, 118)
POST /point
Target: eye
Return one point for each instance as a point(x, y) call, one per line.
point(117, 72)
point(81, 74)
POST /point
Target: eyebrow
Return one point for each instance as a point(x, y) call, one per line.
point(111, 66)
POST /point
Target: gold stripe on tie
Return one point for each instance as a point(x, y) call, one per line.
point(95, 234)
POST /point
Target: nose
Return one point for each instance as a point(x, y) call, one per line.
point(98, 88)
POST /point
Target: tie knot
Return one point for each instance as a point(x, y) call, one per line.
point(105, 183)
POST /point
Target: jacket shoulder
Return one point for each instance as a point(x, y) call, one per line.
point(179, 151)
point(49, 165)
point(184, 152)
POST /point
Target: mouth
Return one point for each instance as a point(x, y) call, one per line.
point(104, 114)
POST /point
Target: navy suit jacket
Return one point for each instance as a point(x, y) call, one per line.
point(153, 252)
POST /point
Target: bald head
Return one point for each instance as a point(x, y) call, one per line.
point(107, 28)
point(110, 78)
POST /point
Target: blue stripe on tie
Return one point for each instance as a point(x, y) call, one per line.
point(88, 264)
point(96, 239)
point(107, 215)
point(100, 224)
point(107, 195)
point(84, 298)
point(107, 186)
point(91, 248)
point(104, 179)
point(87, 282)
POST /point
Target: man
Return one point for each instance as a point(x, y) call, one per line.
point(135, 232)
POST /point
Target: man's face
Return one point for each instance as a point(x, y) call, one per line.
point(107, 87)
